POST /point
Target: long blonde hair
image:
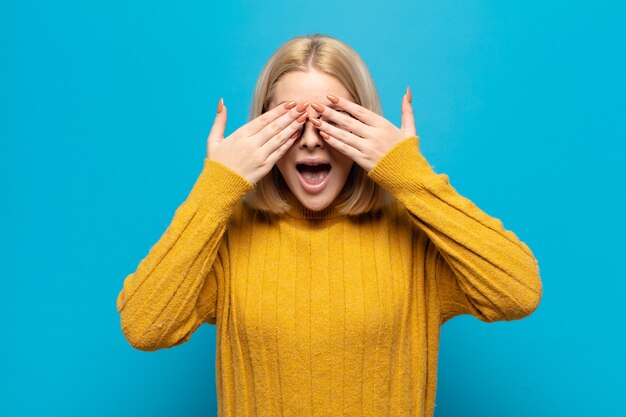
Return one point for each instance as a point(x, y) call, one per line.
point(326, 54)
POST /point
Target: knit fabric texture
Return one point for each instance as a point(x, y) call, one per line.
point(322, 314)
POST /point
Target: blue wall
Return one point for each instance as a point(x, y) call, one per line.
point(104, 112)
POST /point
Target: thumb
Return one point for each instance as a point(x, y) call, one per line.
point(408, 121)
point(219, 124)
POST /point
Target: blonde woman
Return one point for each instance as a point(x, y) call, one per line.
point(326, 250)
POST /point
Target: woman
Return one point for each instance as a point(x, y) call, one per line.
point(326, 250)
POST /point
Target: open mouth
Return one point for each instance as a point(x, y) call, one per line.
point(313, 177)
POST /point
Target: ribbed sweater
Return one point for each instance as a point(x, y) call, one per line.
point(321, 314)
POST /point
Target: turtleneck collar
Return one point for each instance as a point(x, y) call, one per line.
point(299, 211)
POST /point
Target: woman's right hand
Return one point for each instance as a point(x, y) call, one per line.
point(254, 148)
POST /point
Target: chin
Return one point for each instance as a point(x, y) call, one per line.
point(315, 203)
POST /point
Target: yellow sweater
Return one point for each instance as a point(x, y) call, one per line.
point(322, 314)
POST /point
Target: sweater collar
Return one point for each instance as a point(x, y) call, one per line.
point(299, 211)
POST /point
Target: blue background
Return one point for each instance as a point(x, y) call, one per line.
point(104, 112)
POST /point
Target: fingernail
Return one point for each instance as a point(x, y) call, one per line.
point(302, 117)
point(333, 99)
point(318, 107)
point(315, 121)
point(408, 94)
point(302, 106)
point(324, 135)
point(290, 105)
point(220, 105)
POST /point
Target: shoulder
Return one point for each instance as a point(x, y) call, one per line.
point(397, 212)
point(244, 216)
point(404, 224)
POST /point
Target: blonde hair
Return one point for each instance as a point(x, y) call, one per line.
point(326, 54)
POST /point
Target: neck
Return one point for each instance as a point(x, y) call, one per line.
point(299, 211)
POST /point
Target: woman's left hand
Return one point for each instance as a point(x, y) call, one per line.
point(366, 136)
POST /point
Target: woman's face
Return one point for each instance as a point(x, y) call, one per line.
point(316, 188)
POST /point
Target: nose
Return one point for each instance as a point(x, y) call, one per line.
point(310, 137)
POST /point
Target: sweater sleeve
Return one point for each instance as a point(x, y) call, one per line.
point(175, 287)
point(479, 267)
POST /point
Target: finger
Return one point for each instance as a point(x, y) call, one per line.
point(361, 113)
point(408, 119)
point(278, 125)
point(288, 134)
point(278, 153)
point(342, 147)
point(219, 124)
point(343, 119)
point(254, 126)
point(338, 133)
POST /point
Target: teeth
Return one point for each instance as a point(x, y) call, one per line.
point(301, 166)
point(313, 165)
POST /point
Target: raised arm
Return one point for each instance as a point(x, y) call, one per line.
point(480, 268)
point(175, 287)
